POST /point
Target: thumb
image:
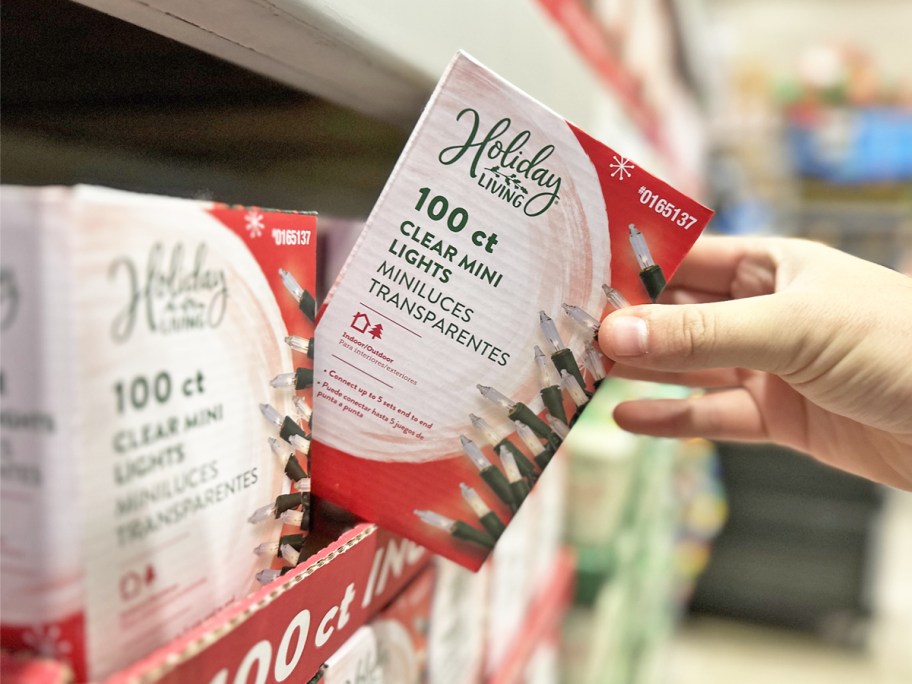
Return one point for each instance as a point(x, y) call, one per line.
point(757, 332)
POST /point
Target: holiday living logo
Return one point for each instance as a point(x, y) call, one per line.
point(504, 164)
point(172, 294)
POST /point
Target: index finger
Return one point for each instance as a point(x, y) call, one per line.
point(713, 262)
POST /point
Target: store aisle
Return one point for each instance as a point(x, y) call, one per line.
point(714, 650)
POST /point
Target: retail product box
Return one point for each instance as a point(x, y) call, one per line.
point(140, 336)
point(435, 631)
point(522, 565)
point(456, 640)
point(430, 388)
point(392, 648)
point(543, 621)
point(289, 629)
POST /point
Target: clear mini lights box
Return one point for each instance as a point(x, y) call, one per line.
point(140, 335)
point(455, 347)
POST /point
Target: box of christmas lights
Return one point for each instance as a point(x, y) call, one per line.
point(541, 623)
point(157, 360)
point(460, 627)
point(393, 647)
point(456, 346)
point(286, 631)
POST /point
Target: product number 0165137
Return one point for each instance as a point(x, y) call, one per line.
point(665, 208)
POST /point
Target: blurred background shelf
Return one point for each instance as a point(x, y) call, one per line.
point(798, 546)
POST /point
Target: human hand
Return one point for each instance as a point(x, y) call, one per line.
point(797, 344)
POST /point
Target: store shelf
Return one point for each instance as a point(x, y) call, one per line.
point(382, 59)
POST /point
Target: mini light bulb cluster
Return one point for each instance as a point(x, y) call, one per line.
point(510, 460)
point(291, 446)
point(593, 359)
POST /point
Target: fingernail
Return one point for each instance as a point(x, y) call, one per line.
point(628, 336)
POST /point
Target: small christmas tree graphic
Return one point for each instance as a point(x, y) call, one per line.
point(376, 332)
